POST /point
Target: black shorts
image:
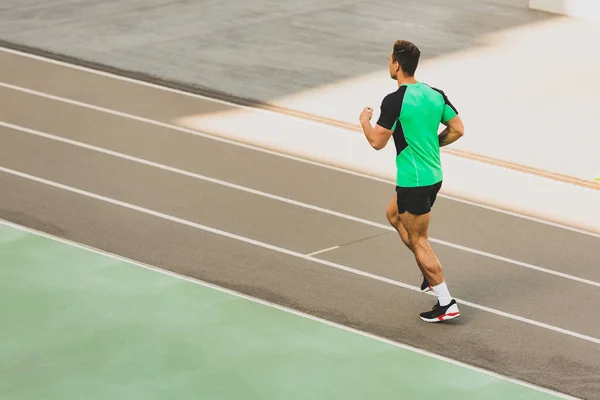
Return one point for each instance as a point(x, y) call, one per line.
point(417, 200)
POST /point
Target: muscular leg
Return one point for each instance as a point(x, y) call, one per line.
point(393, 217)
point(414, 232)
point(417, 227)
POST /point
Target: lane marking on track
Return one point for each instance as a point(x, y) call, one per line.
point(275, 153)
point(323, 251)
point(286, 309)
point(288, 201)
point(289, 252)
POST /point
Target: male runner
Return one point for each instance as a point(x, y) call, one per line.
point(412, 115)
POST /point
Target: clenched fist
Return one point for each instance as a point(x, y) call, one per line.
point(366, 114)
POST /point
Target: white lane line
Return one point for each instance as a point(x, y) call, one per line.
point(151, 85)
point(186, 130)
point(288, 201)
point(287, 252)
point(323, 251)
point(274, 153)
point(285, 309)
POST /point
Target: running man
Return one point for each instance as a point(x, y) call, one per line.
point(412, 116)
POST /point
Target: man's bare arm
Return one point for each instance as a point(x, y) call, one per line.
point(377, 135)
point(454, 130)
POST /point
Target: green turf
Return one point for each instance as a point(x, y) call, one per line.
point(79, 325)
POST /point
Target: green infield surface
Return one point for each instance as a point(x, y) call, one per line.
point(79, 324)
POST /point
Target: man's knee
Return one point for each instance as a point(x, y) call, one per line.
point(391, 216)
point(391, 213)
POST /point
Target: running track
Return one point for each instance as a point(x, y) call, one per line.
point(95, 159)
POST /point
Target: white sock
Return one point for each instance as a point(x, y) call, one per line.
point(441, 291)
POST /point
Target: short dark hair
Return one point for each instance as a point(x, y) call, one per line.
point(407, 55)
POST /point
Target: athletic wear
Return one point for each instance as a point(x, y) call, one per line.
point(417, 200)
point(425, 286)
point(414, 113)
point(441, 313)
point(442, 293)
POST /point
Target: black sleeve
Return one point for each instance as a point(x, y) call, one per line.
point(390, 109)
point(447, 101)
point(450, 104)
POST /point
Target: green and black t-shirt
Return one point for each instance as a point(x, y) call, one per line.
point(414, 113)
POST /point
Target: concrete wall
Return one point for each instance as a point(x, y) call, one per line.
point(586, 9)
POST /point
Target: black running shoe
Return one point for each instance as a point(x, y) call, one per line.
point(439, 313)
point(425, 286)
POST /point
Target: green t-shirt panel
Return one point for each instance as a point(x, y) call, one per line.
point(414, 113)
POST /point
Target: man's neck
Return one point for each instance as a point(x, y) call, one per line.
point(406, 80)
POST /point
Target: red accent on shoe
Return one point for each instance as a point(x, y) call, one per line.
point(441, 317)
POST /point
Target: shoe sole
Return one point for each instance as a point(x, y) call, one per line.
point(441, 318)
point(428, 289)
